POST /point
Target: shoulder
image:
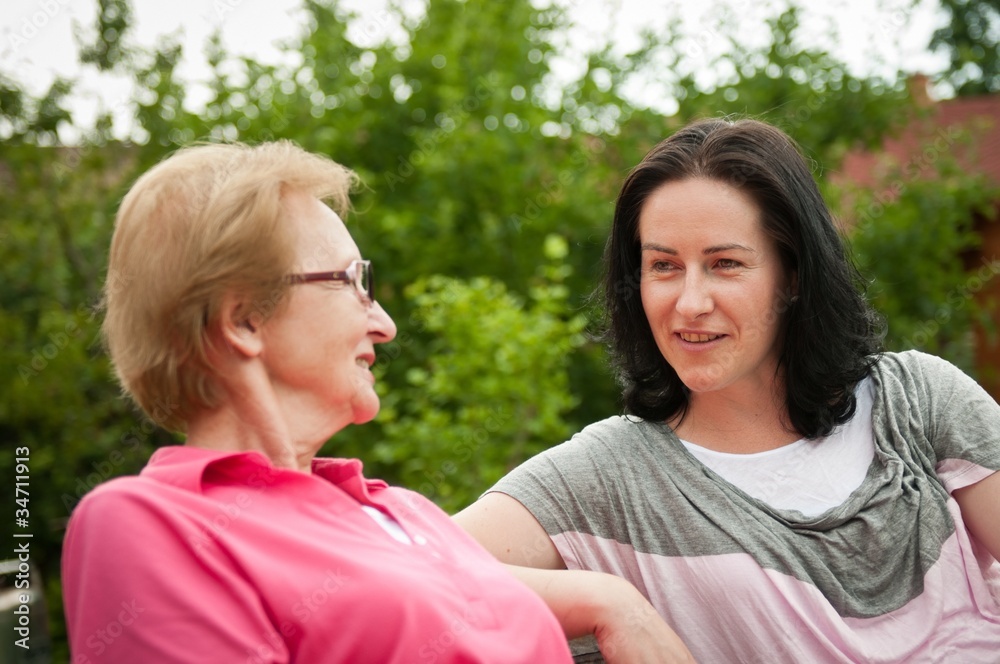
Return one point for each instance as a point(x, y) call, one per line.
point(130, 514)
point(930, 380)
point(610, 439)
point(119, 493)
point(609, 447)
point(618, 430)
point(122, 530)
point(918, 364)
point(922, 394)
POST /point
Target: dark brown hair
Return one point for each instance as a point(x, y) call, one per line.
point(832, 334)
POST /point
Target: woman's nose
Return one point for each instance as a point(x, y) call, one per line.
point(695, 299)
point(380, 324)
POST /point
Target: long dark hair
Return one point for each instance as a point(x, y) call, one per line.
point(831, 335)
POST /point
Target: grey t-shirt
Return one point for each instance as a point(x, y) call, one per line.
point(889, 575)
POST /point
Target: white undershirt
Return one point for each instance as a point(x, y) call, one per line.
point(388, 524)
point(810, 476)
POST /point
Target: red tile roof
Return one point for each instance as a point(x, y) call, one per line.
point(938, 130)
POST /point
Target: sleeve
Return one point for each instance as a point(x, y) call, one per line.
point(570, 488)
point(576, 487)
point(960, 420)
point(141, 586)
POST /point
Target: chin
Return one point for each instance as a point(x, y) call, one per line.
point(701, 383)
point(364, 419)
point(364, 413)
point(707, 377)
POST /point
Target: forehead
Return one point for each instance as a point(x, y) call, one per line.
point(321, 238)
point(700, 207)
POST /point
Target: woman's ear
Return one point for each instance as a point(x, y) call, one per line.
point(239, 327)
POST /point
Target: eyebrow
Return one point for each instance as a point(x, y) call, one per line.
point(652, 246)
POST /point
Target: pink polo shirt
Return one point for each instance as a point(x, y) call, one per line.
point(219, 557)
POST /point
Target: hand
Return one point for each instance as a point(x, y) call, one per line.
point(627, 627)
point(630, 631)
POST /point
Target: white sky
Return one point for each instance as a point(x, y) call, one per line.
point(37, 44)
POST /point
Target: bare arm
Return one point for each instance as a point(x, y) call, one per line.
point(627, 627)
point(510, 532)
point(980, 505)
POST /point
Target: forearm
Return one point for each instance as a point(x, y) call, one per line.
point(581, 600)
point(627, 627)
point(980, 504)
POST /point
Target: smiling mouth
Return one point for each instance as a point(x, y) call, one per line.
point(698, 338)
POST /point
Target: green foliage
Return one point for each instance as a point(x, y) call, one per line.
point(493, 391)
point(972, 41)
point(806, 92)
point(487, 200)
point(107, 49)
point(912, 238)
point(57, 396)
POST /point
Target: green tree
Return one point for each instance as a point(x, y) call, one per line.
point(494, 390)
point(971, 39)
point(804, 90)
point(911, 240)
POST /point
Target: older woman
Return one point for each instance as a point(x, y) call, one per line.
point(241, 312)
point(779, 489)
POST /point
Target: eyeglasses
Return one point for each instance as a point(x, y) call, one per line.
point(358, 273)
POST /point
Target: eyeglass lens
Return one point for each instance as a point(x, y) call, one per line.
point(364, 279)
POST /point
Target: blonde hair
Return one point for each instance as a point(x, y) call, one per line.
point(207, 220)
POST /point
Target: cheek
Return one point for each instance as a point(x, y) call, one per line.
point(657, 298)
point(644, 296)
point(657, 307)
point(762, 318)
point(652, 309)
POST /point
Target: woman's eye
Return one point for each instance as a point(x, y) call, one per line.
point(661, 266)
point(728, 263)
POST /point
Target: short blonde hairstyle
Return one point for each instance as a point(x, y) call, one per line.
point(207, 220)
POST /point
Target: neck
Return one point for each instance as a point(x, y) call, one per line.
point(227, 429)
point(251, 418)
point(738, 421)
